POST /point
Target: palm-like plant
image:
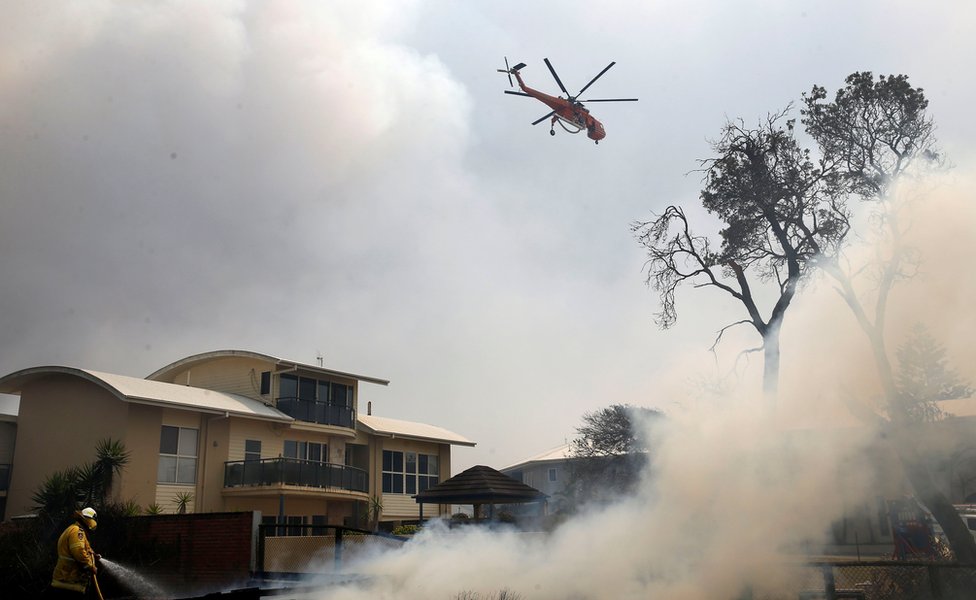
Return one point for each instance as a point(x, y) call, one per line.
point(88, 480)
point(87, 485)
point(111, 457)
point(59, 495)
point(182, 500)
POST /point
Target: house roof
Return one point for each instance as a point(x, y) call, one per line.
point(280, 364)
point(480, 485)
point(394, 428)
point(558, 453)
point(157, 393)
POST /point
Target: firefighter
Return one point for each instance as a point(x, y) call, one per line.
point(75, 570)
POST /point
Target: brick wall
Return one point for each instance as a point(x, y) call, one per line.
point(187, 554)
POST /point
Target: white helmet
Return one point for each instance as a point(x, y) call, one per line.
point(88, 513)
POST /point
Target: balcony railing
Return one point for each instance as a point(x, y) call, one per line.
point(325, 413)
point(293, 471)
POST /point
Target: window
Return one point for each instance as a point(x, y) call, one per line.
point(408, 472)
point(427, 472)
point(411, 472)
point(295, 525)
point(357, 455)
point(312, 451)
point(552, 474)
point(319, 523)
point(306, 388)
point(316, 400)
point(392, 472)
point(177, 455)
point(265, 383)
point(288, 386)
point(252, 449)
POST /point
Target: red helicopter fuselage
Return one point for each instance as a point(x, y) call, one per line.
point(573, 115)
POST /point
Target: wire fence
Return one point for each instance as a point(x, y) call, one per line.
point(877, 580)
point(295, 551)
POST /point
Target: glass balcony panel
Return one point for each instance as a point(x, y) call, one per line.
point(293, 471)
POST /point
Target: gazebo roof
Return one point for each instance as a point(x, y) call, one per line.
point(480, 485)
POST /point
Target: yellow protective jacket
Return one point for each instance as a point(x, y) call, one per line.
point(76, 560)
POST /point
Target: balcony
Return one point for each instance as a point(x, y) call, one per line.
point(324, 413)
point(293, 471)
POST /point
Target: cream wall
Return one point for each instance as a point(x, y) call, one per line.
point(138, 481)
point(214, 448)
point(236, 375)
point(61, 420)
point(537, 476)
point(402, 506)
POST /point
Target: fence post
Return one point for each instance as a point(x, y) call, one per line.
point(934, 583)
point(830, 587)
point(338, 548)
point(262, 532)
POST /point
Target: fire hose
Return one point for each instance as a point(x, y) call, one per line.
point(98, 590)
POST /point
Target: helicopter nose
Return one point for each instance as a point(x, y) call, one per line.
point(597, 132)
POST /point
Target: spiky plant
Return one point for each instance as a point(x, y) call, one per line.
point(58, 495)
point(111, 457)
point(182, 500)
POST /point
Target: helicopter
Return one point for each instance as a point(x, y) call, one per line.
point(569, 112)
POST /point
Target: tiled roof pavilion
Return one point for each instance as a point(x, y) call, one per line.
point(477, 486)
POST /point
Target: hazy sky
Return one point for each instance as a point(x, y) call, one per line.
point(346, 179)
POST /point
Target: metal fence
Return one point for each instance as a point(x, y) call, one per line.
point(316, 549)
point(877, 580)
point(292, 551)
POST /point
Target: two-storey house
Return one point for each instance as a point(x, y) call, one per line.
point(230, 430)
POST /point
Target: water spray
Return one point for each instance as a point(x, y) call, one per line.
point(139, 585)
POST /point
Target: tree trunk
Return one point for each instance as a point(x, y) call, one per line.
point(960, 539)
point(902, 440)
point(771, 364)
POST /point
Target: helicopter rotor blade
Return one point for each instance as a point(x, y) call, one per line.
point(610, 100)
point(537, 121)
point(598, 75)
point(518, 93)
point(556, 77)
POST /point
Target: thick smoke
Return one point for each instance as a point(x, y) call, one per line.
point(740, 491)
point(732, 497)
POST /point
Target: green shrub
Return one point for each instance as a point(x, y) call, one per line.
point(405, 530)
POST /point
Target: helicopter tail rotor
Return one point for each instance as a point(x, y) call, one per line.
point(509, 70)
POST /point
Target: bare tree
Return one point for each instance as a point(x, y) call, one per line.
point(781, 210)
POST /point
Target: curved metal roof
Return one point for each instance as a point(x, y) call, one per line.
point(156, 393)
point(395, 428)
point(280, 363)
